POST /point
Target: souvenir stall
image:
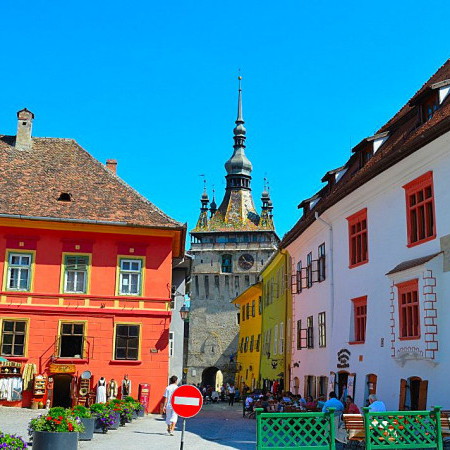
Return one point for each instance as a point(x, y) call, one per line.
point(10, 383)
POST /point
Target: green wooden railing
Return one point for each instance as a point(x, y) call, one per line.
point(313, 430)
point(403, 429)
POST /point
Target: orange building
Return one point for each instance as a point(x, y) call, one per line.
point(85, 267)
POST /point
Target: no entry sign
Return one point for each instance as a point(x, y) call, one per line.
point(187, 401)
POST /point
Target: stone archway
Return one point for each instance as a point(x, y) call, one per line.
point(209, 376)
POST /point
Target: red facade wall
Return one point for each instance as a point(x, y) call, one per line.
point(45, 305)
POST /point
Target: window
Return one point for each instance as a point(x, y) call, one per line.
point(236, 282)
point(252, 343)
point(299, 277)
point(197, 289)
point(246, 344)
point(357, 237)
point(13, 337)
point(322, 330)
point(360, 318)
point(420, 215)
point(247, 310)
point(243, 313)
point(127, 342)
point(299, 334)
point(130, 277)
point(258, 343)
point(408, 306)
point(253, 308)
point(241, 347)
point(226, 263)
point(206, 286)
point(216, 282)
point(275, 339)
point(19, 271)
point(281, 340)
point(259, 305)
point(75, 273)
point(321, 262)
point(171, 336)
point(309, 270)
point(238, 318)
point(430, 106)
point(71, 340)
point(310, 332)
point(247, 280)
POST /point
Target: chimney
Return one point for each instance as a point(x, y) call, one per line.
point(24, 123)
point(111, 164)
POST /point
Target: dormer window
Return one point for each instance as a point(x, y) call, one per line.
point(309, 203)
point(429, 107)
point(65, 197)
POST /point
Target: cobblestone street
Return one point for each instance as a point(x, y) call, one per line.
point(215, 427)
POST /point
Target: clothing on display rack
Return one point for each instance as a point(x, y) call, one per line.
point(11, 389)
point(126, 386)
point(28, 375)
point(101, 391)
point(112, 390)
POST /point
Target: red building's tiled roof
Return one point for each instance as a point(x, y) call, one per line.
point(406, 135)
point(31, 182)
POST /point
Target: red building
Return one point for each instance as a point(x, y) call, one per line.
point(85, 267)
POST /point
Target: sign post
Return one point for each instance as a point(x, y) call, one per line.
point(187, 401)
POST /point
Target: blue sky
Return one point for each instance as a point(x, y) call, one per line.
point(153, 85)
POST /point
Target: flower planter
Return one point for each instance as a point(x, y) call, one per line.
point(49, 440)
point(88, 432)
point(135, 416)
point(116, 424)
point(141, 413)
point(98, 426)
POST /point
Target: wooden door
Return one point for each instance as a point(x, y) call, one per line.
point(423, 390)
point(402, 398)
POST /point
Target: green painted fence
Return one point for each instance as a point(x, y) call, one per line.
point(403, 429)
point(315, 431)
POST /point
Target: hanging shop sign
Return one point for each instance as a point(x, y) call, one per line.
point(62, 368)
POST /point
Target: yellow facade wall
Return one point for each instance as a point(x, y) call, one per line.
point(249, 344)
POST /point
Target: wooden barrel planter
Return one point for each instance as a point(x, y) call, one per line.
point(49, 440)
point(88, 432)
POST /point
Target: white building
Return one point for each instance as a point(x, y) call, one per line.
point(371, 253)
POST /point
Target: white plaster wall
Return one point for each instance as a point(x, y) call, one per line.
point(384, 199)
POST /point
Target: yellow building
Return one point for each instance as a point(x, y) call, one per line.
point(249, 344)
point(276, 344)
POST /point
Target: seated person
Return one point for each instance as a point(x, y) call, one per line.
point(249, 403)
point(333, 402)
point(310, 403)
point(320, 402)
point(350, 407)
point(214, 396)
point(375, 404)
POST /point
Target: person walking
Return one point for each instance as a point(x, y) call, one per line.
point(231, 394)
point(171, 416)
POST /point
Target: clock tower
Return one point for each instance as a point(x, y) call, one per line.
point(230, 245)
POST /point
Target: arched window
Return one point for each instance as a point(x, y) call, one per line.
point(226, 263)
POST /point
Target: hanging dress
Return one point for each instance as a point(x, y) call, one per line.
point(101, 391)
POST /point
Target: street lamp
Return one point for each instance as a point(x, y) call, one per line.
point(184, 313)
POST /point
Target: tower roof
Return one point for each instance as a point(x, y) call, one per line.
point(237, 211)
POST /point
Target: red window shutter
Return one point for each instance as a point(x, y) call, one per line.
point(357, 238)
point(420, 211)
point(360, 318)
point(402, 397)
point(408, 308)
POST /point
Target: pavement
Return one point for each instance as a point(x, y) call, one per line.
point(217, 426)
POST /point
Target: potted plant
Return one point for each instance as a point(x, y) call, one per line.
point(11, 441)
point(124, 409)
point(87, 420)
point(138, 408)
point(56, 429)
point(105, 419)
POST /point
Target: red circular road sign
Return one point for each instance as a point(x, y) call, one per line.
point(187, 401)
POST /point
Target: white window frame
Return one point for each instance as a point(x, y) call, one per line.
point(76, 272)
point(281, 340)
point(275, 339)
point(20, 268)
point(130, 272)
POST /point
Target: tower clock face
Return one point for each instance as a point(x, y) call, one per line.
point(246, 261)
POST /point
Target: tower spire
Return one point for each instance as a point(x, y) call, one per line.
point(238, 167)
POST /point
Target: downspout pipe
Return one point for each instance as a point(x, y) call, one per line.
point(330, 230)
